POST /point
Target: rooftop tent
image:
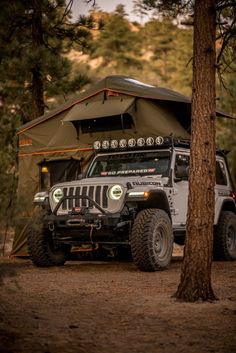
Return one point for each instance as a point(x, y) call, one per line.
point(115, 106)
point(113, 85)
point(121, 112)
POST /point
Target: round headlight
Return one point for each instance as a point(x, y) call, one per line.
point(105, 144)
point(150, 141)
point(57, 195)
point(114, 144)
point(132, 142)
point(115, 192)
point(97, 145)
point(141, 142)
point(123, 143)
point(159, 140)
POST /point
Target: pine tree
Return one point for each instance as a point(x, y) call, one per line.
point(118, 45)
point(35, 35)
point(139, 9)
point(34, 38)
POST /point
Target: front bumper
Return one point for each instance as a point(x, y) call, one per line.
point(79, 226)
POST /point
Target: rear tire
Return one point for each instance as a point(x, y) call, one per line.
point(43, 251)
point(152, 240)
point(224, 247)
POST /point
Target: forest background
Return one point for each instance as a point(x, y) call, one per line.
point(78, 53)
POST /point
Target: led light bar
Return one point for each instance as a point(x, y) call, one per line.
point(159, 140)
point(97, 145)
point(114, 144)
point(105, 145)
point(140, 142)
point(130, 143)
point(123, 143)
point(150, 141)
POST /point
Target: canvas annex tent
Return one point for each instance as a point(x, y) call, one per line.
point(58, 145)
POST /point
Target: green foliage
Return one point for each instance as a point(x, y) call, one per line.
point(8, 175)
point(43, 50)
point(117, 44)
point(35, 36)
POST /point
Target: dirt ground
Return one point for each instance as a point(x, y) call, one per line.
point(96, 307)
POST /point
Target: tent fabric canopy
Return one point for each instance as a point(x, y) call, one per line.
point(99, 109)
point(123, 85)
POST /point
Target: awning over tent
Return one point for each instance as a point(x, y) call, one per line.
point(100, 109)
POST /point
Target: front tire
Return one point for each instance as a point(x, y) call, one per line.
point(43, 251)
point(152, 240)
point(224, 247)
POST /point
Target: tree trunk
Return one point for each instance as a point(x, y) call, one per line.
point(195, 283)
point(37, 42)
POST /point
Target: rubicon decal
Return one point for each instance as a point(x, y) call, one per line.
point(140, 183)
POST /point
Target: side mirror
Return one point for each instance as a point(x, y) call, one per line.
point(41, 198)
point(181, 173)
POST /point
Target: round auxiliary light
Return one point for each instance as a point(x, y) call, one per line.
point(97, 145)
point(123, 143)
point(115, 192)
point(150, 141)
point(140, 142)
point(132, 142)
point(105, 145)
point(57, 195)
point(114, 144)
point(159, 140)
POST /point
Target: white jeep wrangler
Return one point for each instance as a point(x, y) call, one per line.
point(134, 194)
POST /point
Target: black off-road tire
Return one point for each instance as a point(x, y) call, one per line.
point(224, 247)
point(152, 240)
point(42, 250)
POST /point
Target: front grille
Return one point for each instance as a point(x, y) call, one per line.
point(97, 193)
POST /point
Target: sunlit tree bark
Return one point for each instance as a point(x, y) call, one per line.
point(195, 281)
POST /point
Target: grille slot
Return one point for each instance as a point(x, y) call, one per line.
point(91, 194)
point(84, 193)
point(104, 197)
point(71, 193)
point(64, 204)
point(98, 195)
point(77, 201)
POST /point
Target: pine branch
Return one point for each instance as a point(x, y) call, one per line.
point(67, 10)
point(225, 4)
point(93, 1)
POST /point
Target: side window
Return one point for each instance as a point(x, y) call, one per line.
point(52, 172)
point(221, 177)
point(182, 166)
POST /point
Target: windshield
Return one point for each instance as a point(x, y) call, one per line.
point(128, 164)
